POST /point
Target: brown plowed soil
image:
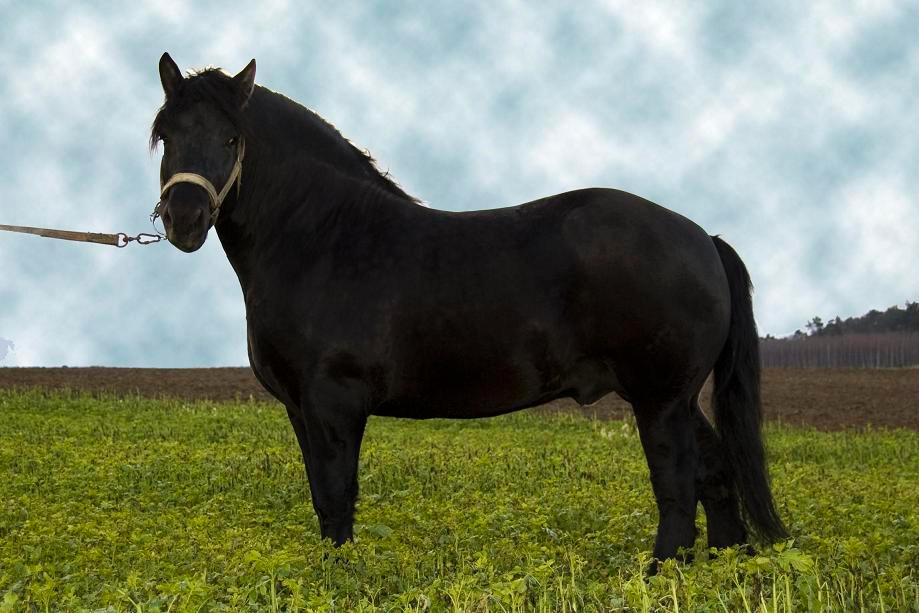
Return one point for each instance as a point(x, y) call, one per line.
point(828, 399)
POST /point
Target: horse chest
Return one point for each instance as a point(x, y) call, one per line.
point(291, 342)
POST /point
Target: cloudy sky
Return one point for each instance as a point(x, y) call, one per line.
point(790, 129)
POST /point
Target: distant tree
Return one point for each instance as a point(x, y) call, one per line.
point(893, 319)
point(872, 321)
point(834, 328)
point(912, 316)
point(815, 326)
point(877, 339)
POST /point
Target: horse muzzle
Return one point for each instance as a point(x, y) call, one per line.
point(185, 216)
point(190, 218)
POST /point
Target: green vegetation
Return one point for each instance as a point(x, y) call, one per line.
point(144, 505)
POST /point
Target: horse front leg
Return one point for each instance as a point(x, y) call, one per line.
point(334, 421)
point(296, 421)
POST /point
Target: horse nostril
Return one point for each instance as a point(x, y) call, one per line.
point(167, 218)
point(198, 214)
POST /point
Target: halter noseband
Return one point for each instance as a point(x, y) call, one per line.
point(215, 199)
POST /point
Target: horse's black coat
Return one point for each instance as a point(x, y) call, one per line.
point(361, 302)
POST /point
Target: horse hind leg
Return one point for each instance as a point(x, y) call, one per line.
point(669, 442)
point(715, 486)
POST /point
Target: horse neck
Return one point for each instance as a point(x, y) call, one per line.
point(295, 131)
point(298, 200)
point(300, 179)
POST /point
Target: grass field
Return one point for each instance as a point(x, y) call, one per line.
point(146, 505)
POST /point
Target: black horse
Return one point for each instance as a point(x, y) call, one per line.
point(360, 301)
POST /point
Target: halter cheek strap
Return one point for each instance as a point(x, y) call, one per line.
point(215, 199)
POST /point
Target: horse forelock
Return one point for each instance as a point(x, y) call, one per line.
point(210, 85)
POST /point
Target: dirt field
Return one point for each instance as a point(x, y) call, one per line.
point(824, 398)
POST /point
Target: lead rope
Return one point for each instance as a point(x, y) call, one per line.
point(121, 239)
point(117, 240)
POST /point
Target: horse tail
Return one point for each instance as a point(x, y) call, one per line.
point(736, 402)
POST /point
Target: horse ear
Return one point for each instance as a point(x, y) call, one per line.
point(245, 82)
point(170, 75)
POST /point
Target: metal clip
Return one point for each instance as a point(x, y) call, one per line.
point(147, 239)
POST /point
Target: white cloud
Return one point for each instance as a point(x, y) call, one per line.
point(667, 28)
point(760, 129)
point(573, 149)
point(878, 223)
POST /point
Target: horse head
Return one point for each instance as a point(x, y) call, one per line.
point(203, 134)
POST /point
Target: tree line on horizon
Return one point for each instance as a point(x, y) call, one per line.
point(877, 339)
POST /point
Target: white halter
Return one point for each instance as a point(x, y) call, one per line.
point(215, 198)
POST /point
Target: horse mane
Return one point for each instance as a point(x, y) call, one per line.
point(214, 86)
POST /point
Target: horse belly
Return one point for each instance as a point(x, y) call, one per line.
point(493, 371)
point(452, 385)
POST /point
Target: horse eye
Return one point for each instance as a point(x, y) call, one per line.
point(231, 142)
